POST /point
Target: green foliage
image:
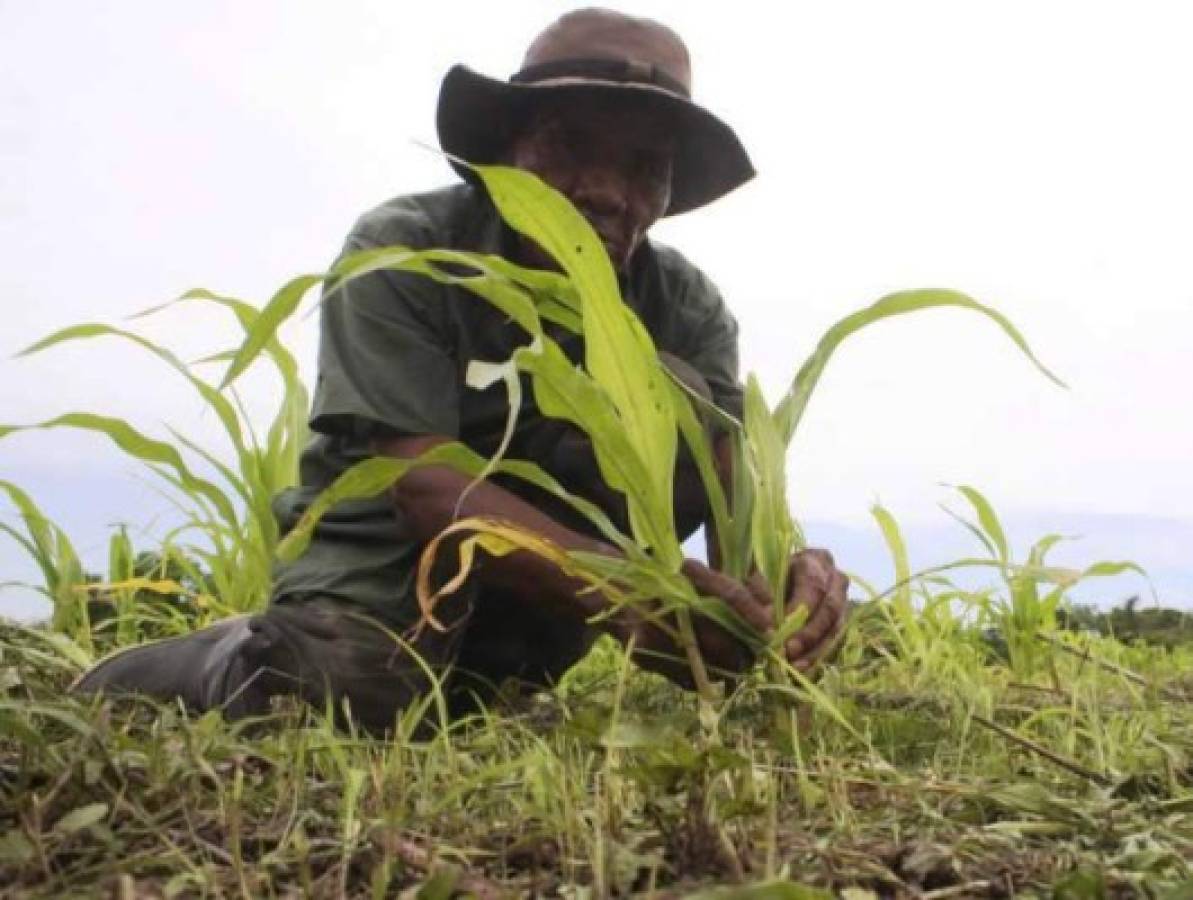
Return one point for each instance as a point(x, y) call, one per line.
point(229, 535)
point(621, 398)
point(605, 786)
point(791, 408)
point(619, 354)
point(772, 531)
point(1035, 590)
point(965, 742)
point(61, 571)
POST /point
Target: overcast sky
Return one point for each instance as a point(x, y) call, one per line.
point(1036, 155)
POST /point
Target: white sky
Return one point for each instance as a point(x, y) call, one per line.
point(1036, 155)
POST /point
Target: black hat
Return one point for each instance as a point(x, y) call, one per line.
point(598, 51)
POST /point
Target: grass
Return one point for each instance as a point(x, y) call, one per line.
point(946, 776)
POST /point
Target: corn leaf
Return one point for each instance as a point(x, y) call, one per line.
point(564, 392)
point(697, 438)
point(220, 404)
point(372, 476)
point(791, 409)
point(279, 308)
point(904, 612)
point(139, 446)
point(55, 556)
point(618, 350)
point(1040, 549)
point(772, 532)
point(988, 520)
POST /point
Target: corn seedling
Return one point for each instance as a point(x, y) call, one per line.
point(62, 573)
point(229, 535)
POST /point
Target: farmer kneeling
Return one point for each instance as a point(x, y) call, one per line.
point(601, 111)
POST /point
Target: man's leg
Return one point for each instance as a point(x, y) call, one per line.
point(509, 637)
point(324, 651)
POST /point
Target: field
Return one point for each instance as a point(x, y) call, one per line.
point(947, 775)
point(966, 741)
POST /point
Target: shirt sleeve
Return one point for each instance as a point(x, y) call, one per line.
point(706, 337)
point(387, 363)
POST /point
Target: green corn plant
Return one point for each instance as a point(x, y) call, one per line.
point(121, 563)
point(1020, 612)
point(147, 594)
point(1034, 591)
point(229, 536)
point(61, 571)
point(624, 400)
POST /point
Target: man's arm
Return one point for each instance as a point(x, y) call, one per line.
point(429, 498)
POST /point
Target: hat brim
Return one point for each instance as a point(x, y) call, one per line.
point(476, 115)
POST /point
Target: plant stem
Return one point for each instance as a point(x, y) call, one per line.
point(704, 687)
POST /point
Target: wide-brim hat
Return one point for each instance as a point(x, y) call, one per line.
point(596, 51)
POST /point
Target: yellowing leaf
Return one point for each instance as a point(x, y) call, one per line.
point(156, 586)
point(496, 538)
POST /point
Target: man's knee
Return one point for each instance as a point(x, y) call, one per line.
point(338, 657)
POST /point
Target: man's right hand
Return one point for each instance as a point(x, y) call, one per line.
point(723, 653)
point(816, 584)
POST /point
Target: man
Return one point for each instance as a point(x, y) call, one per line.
point(601, 111)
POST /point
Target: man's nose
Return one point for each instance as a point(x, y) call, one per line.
point(601, 191)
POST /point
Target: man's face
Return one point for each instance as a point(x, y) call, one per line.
point(611, 159)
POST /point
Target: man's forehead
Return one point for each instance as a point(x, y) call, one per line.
point(601, 116)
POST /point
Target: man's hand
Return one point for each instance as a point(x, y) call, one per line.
point(814, 583)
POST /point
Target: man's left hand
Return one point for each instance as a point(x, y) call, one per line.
point(815, 583)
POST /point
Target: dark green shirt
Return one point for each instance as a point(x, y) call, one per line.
point(393, 353)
